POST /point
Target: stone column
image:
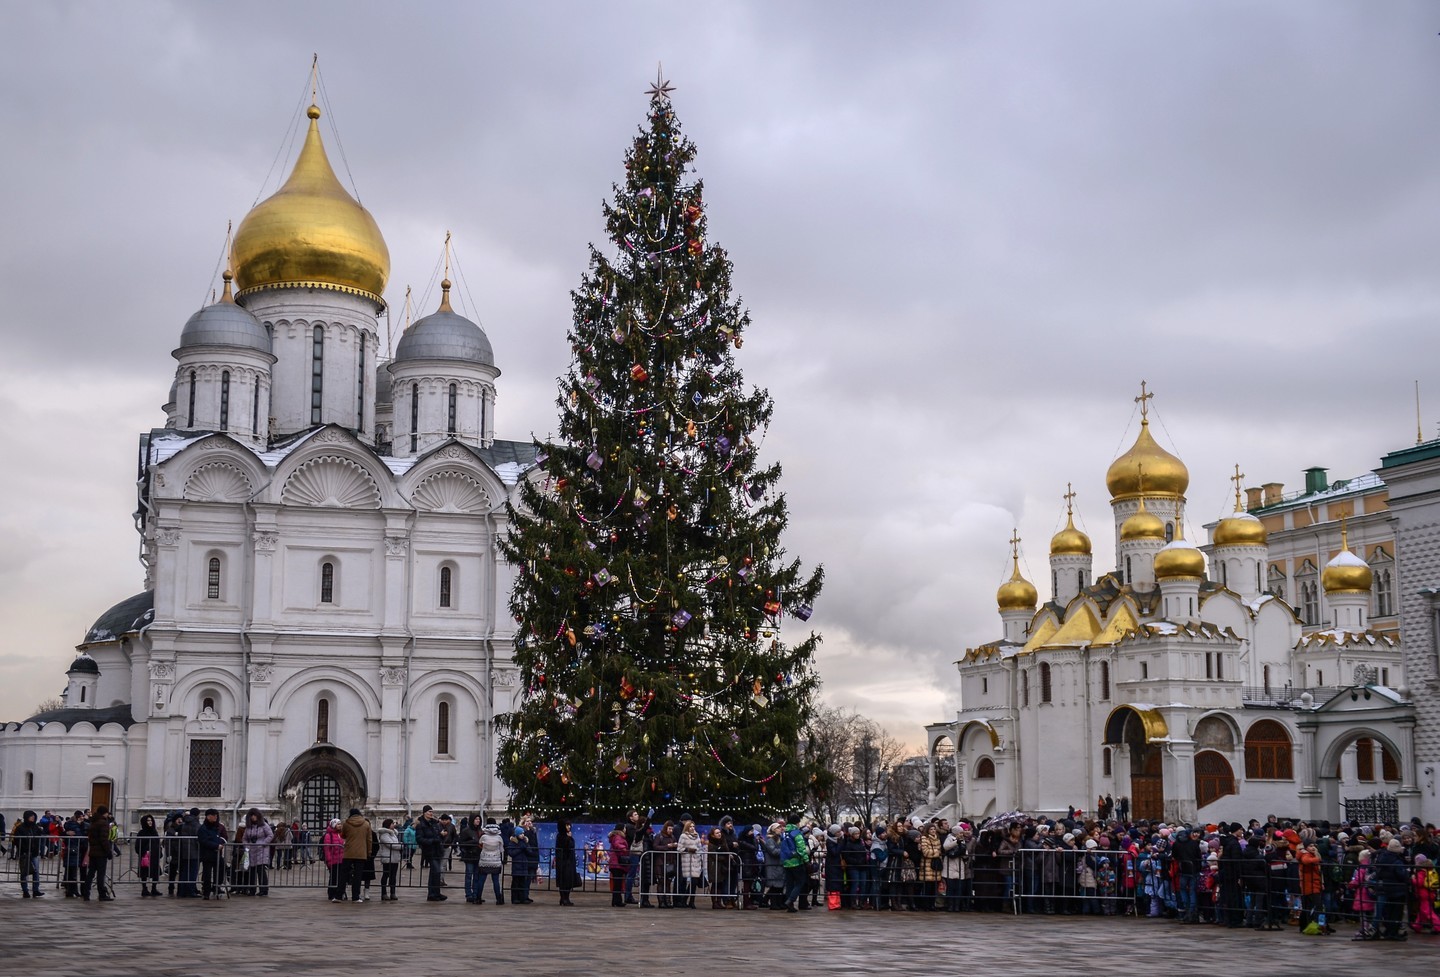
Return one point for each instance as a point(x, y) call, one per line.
point(930, 769)
point(265, 541)
point(258, 780)
point(392, 749)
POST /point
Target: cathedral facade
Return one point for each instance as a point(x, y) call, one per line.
point(323, 622)
point(1262, 672)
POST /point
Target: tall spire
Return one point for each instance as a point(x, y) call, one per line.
point(445, 282)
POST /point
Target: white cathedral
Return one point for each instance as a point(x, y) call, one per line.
point(324, 618)
point(1194, 694)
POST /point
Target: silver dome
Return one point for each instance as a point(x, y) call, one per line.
point(445, 335)
point(225, 324)
point(384, 386)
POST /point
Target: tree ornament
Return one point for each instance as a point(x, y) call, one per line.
point(594, 460)
point(803, 611)
point(638, 373)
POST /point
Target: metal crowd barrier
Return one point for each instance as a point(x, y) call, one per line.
point(724, 879)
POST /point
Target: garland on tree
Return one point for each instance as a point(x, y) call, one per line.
point(653, 588)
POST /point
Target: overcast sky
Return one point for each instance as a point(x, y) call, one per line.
point(965, 233)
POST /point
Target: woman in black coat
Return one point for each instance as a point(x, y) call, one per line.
point(567, 878)
point(148, 846)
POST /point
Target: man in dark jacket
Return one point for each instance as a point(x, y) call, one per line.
point(189, 851)
point(1186, 852)
point(1232, 896)
point(431, 838)
point(29, 842)
point(73, 831)
point(1392, 882)
point(210, 838)
point(98, 850)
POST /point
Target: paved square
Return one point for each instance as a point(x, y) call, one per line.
point(296, 933)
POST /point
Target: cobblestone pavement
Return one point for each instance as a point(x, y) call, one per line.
point(297, 933)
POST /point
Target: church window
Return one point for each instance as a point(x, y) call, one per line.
point(984, 685)
point(29, 779)
point(1384, 594)
point(1365, 760)
point(1045, 690)
point(1055, 583)
point(1106, 762)
point(1277, 582)
point(1385, 677)
point(414, 417)
point(212, 579)
point(225, 401)
point(450, 420)
point(1213, 777)
point(1267, 752)
point(446, 574)
point(205, 763)
point(1265, 679)
point(322, 721)
point(1310, 603)
point(985, 769)
point(1129, 573)
point(1209, 664)
point(1258, 586)
point(360, 391)
point(317, 372)
point(207, 704)
point(1169, 532)
point(1080, 578)
point(327, 583)
point(1389, 766)
point(1219, 665)
point(482, 416)
point(255, 409)
point(1319, 679)
point(1144, 669)
point(190, 412)
point(1224, 574)
point(442, 728)
point(82, 695)
point(1104, 681)
point(1024, 687)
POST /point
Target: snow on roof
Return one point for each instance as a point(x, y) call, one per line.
point(1259, 602)
point(1347, 559)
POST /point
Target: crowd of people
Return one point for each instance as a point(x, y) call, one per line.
point(1264, 875)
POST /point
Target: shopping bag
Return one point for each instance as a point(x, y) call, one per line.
point(832, 900)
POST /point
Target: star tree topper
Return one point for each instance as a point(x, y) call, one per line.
point(661, 88)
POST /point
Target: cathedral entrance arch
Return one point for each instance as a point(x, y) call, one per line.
point(1139, 731)
point(322, 783)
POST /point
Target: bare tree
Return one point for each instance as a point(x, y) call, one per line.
point(830, 741)
point(875, 753)
point(50, 705)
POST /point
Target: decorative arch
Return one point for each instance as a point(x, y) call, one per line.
point(331, 481)
point(187, 690)
point(984, 769)
point(978, 724)
point(325, 762)
point(319, 674)
point(451, 491)
point(1150, 725)
point(218, 481)
point(1216, 731)
point(1343, 741)
point(174, 476)
point(1268, 752)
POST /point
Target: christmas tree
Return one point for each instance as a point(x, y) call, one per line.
point(652, 583)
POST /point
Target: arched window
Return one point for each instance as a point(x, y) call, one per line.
point(482, 416)
point(1389, 765)
point(1104, 681)
point(212, 579)
point(1267, 752)
point(1044, 681)
point(442, 728)
point(1080, 578)
point(1365, 760)
point(1055, 583)
point(255, 409)
point(1384, 594)
point(360, 391)
point(1213, 777)
point(414, 417)
point(445, 578)
point(1106, 762)
point(29, 780)
point(1024, 687)
point(1129, 574)
point(82, 694)
point(322, 721)
point(317, 373)
point(1224, 574)
point(1265, 679)
point(327, 583)
point(225, 400)
point(450, 421)
point(1277, 582)
point(985, 769)
point(207, 704)
point(190, 414)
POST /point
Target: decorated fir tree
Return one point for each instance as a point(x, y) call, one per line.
point(653, 584)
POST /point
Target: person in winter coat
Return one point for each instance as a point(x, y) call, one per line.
point(28, 841)
point(717, 865)
point(433, 837)
point(97, 837)
point(392, 851)
point(619, 865)
point(1311, 885)
point(955, 868)
point(524, 855)
point(148, 850)
point(189, 848)
point(929, 868)
point(210, 838)
point(690, 866)
point(257, 836)
point(567, 878)
point(1391, 885)
point(332, 850)
point(469, 841)
point(359, 840)
point(1424, 881)
point(772, 871)
point(666, 864)
point(747, 846)
point(491, 861)
point(75, 833)
point(1363, 895)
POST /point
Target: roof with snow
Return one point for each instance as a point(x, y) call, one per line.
point(97, 717)
point(127, 617)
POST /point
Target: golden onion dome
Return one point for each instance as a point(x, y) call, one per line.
point(1347, 573)
point(1147, 469)
point(1017, 593)
point(311, 233)
point(1069, 541)
point(1142, 525)
point(1240, 529)
point(1179, 559)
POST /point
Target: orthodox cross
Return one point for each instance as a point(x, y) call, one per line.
point(1069, 498)
point(1237, 478)
point(1142, 400)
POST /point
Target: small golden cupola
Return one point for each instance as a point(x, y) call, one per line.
point(1070, 541)
point(311, 233)
point(1017, 593)
point(1179, 559)
point(1347, 573)
point(1164, 475)
point(1143, 524)
point(1240, 528)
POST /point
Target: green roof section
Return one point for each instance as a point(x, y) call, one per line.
point(1406, 456)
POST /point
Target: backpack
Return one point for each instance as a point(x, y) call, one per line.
point(1432, 879)
point(792, 845)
